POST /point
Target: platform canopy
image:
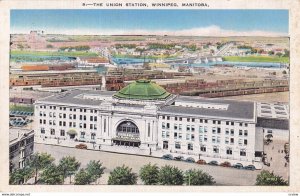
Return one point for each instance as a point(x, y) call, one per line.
point(143, 90)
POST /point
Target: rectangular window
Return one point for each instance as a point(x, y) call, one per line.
point(168, 117)
point(180, 136)
point(84, 125)
point(205, 138)
point(226, 140)
point(214, 130)
point(163, 125)
point(229, 151)
point(213, 139)
point(203, 148)
point(219, 130)
point(163, 117)
point(180, 127)
point(219, 122)
point(82, 135)
point(227, 131)
point(80, 125)
point(64, 116)
point(60, 123)
point(91, 126)
point(201, 120)
point(95, 118)
point(245, 133)
point(175, 126)
point(240, 132)
point(64, 123)
point(190, 147)
point(180, 118)
point(227, 122)
point(52, 131)
point(205, 121)
point(148, 129)
point(193, 128)
point(167, 134)
point(240, 142)
point(177, 145)
point(192, 137)
point(62, 132)
point(218, 139)
point(70, 124)
point(231, 132)
point(201, 129)
point(80, 117)
point(176, 118)
point(246, 124)
point(74, 116)
point(93, 135)
point(91, 118)
point(42, 130)
point(245, 142)
point(187, 136)
point(163, 134)
point(232, 123)
point(188, 128)
point(214, 122)
point(188, 119)
point(216, 149)
point(175, 135)
point(193, 120)
point(168, 125)
point(241, 124)
point(84, 117)
point(70, 116)
point(231, 140)
point(243, 153)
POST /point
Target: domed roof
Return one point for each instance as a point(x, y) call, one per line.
point(144, 90)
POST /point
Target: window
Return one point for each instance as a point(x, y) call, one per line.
point(163, 125)
point(218, 139)
point(180, 136)
point(193, 120)
point(201, 120)
point(180, 127)
point(245, 133)
point(80, 125)
point(91, 118)
point(50, 114)
point(91, 126)
point(205, 129)
point(74, 116)
point(218, 130)
point(64, 123)
point(205, 121)
point(231, 132)
point(229, 151)
point(188, 119)
point(176, 118)
point(193, 128)
point(177, 145)
point(84, 117)
point(60, 123)
point(213, 140)
point(84, 125)
point(163, 117)
point(95, 118)
point(201, 129)
point(175, 135)
point(163, 134)
point(168, 125)
point(62, 132)
point(175, 126)
point(167, 134)
point(168, 117)
point(243, 152)
point(240, 132)
point(226, 140)
point(231, 140)
point(214, 130)
point(41, 121)
point(70, 124)
point(42, 130)
point(192, 137)
point(241, 124)
point(227, 122)
point(165, 145)
point(188, 128)
point(219, 122)
point(93, 135)
point(205, 138)
point(203, 148)
point(216, 149)
point(232, 123)
point(200, 138)
point(64, 115)
point(52, 131)
point(44, 121)
point(187, 136)
point(246, 124)
point(80, 117)
point(190, 147)
point(214, 122)
point(240, 142)
point(82, 134)
point(245, 142)
point(180, 118)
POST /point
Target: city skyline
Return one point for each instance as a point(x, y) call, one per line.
point(153, 22)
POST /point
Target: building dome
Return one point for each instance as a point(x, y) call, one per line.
point(143, 90)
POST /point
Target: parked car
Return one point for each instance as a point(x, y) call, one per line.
point(238, 166)
point(167, 157)
point(190, 160)
point(201, 162)
point(250, 167)
point(179, 158)
point(215, 163)
point(225, 164)
point(81, 146)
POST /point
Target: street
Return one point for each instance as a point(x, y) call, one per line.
point(222, 175)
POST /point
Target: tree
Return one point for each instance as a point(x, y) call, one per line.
point(82, 177)
point(68, 166)
point(49, 46)
point(51, 175)
point(20, 176)
point(149, 174)
point(198, 177)
point(122, 176)
point(266, 178)
point(271, 52)
point(95, 170)
point(39, 162)
point(279, 54)
point(169, 175)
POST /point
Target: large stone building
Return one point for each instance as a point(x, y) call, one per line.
point(143, 118)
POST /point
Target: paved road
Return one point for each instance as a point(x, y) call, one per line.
point(223, 176)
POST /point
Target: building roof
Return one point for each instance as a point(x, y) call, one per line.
point(142, 90)
point(235, 110)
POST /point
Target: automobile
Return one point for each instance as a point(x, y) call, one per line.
point(81, 146)
point(215, 163)
point(190, 160)
point(238, 166)
point(167, 157)
point(179, 158)
point(250, 167)
point(225, 164)
point(201, 162)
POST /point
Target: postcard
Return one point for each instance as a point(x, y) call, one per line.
point(164, 96)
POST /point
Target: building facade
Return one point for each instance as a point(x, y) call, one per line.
point(143, 118)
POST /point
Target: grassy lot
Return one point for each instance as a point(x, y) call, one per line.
point(271, 59)
point(14, 107)
point(50, 53)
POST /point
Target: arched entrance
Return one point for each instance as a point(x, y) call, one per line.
point(127, 134)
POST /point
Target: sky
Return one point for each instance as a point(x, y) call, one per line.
point(160, 22)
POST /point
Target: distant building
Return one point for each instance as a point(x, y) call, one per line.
point(21, 142)
point(143, 118)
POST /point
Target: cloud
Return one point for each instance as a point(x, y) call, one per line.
point(202, 31)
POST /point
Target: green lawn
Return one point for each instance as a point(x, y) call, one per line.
point(49, 53)
point(13, 107)
point(271, 59)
